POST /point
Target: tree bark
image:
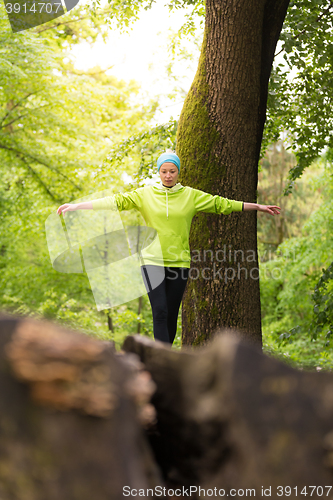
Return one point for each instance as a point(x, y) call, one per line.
point(218, 141)
point(70, 413)
point(110, 322)
point(230, 417)
point(139, 312)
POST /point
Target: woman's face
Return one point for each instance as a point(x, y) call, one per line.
point(168, 174)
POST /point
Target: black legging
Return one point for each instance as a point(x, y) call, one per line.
point(165, 287)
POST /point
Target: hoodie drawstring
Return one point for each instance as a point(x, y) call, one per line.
point(174, 189)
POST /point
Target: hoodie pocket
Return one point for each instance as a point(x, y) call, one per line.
point(174, 249)
point(167, 247)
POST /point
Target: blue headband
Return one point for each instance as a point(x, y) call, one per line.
point(170, 157)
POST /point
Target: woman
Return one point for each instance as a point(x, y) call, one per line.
point(169, 208)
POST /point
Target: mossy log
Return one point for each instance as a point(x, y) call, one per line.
point(73, 413)
point(231, 417)
point(70, 413)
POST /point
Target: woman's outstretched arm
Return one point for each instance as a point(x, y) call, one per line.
point(119, 201)
point(71, 207)
point(269, 209)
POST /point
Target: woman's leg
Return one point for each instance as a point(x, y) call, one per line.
point(154, 280)
point(175, 283)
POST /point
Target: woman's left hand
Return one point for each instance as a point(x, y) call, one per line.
point(269, 209)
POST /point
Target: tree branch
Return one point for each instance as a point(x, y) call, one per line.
point(17, 104)
point(42, 183)
point(84, 73)
point(22, 116)
point(14, 120)
point(41, 162)
point(325, 11)
point(56, 25)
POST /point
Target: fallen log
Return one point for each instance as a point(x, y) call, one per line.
point(224, 418)
point(70, 413)
point(233, 420)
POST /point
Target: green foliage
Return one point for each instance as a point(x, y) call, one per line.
point(58, 125)
point(299, 102)
point(124, 12)
point(300, 88)
point(79, 25)
point(301, 353)
point(141, 152)
point(56, 129)
point(323, 308)
point(301, 85)
point(293, 323)
point(295, 208)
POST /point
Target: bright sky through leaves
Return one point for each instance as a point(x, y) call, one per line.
point(142, 55)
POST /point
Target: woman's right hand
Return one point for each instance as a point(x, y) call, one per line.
point(67, 207)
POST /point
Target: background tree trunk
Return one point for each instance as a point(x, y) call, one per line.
point(218, 141)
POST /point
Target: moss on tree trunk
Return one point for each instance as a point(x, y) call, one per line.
point(218, 141)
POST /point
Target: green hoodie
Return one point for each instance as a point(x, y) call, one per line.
point(170, 212)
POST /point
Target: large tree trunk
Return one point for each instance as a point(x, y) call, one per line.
point(219, 138)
